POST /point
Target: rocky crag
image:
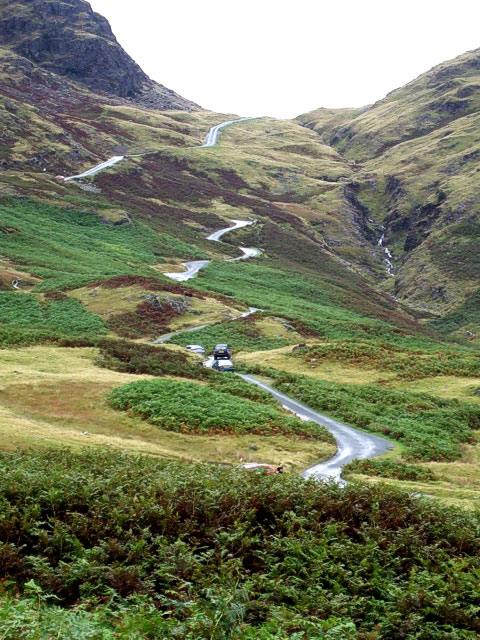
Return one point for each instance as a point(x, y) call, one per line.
point(69, 39)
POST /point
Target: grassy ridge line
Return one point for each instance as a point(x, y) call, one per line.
point(213, 553)
point(408, 364)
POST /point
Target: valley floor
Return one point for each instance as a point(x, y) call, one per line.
point(56, 396)
point(53, 397)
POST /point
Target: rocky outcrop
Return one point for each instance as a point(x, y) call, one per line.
point(68, 38)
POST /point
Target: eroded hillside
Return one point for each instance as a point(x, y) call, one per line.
point(416, 156)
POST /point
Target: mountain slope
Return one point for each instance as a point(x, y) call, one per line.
point(416, 154)
point(92, 356)
point(447, 92)
point(71, 40)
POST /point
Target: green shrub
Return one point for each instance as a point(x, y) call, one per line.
point(131, 357)
point(409, 364)
point(162, 550)
point(26, 320)
point(197, 408)
point(391, 469)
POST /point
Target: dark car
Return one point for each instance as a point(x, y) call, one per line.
point(223, 365)
point(222, 351)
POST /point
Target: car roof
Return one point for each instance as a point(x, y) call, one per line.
point(225, 363)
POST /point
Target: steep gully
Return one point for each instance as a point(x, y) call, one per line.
point(351, 444)
point(388, 255)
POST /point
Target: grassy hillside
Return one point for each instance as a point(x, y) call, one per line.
point(435, 99)
point(416, 154)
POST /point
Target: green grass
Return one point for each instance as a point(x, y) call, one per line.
point(430, 428)
point(409, 364)
point(68, 248)
point(391, 469)
point(191, 407)
point(467, 315)
point(291, 295)
point(242, 334)
point(111, 546)
point(26, 320)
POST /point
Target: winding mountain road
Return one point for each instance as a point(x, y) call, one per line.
point(248, 252)
point(212, 136)
point(97, 169)
point(191, 270)
point(237, 224)
point(351, 444)
point(193, 267)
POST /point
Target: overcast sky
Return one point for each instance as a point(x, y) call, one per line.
point(285, 57)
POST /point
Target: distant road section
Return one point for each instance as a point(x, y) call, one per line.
point(193, 267)
point(191, 270)
point(97, 169)
point(237, 224)
point(248, 252)
point(212, 136)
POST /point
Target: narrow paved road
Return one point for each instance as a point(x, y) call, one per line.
point(237, 224)
point(212, 136)
point(168, 336)
point(193, 267)
point(351, 444)
point(99, 167)
point(191, 270)
point(248, 252)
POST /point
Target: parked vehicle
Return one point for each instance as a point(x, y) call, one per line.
point(223, 365)
point(222, 351)
point(196, 348)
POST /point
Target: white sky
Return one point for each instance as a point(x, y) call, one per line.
point(284, 57)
